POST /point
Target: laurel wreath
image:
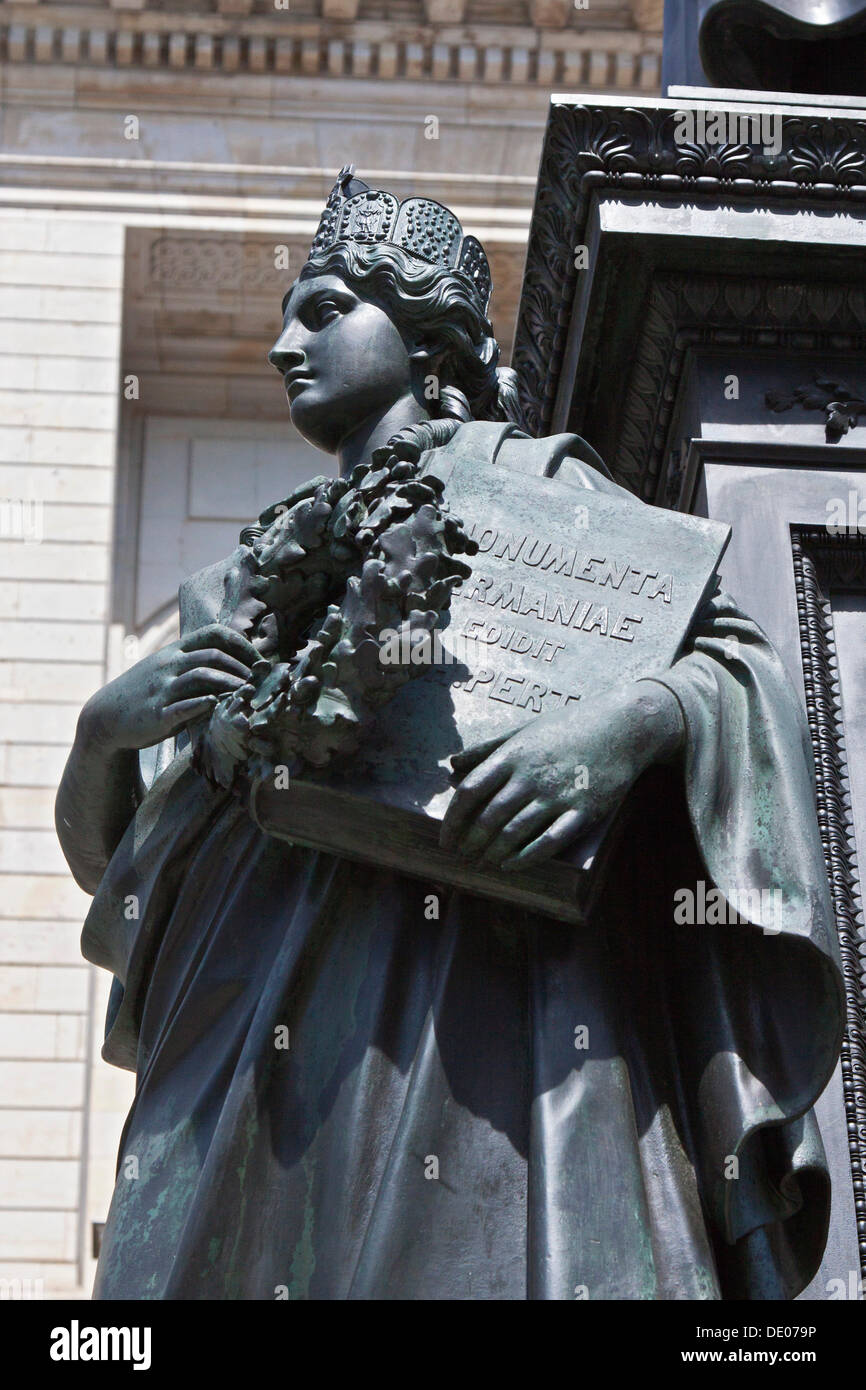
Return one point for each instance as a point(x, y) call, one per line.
point(343, 561)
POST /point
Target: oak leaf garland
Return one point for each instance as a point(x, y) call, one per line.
point(343, 561)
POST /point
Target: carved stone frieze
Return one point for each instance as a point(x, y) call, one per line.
point(236, 37)
point(190, 262)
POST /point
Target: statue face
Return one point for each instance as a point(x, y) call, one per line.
point(342, 358)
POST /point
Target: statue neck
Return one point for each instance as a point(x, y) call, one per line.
point(376, 430)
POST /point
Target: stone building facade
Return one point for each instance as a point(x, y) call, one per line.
point(162, 167)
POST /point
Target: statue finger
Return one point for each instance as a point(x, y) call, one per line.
point(487, 823)
point(218, 635)
point(524, 827)
point(463, 762)
point(564, 829)
point(202, 681)
point(213, 659)
point(470, 796)
point(184, 711)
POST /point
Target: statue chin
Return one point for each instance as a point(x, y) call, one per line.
point(314, 421)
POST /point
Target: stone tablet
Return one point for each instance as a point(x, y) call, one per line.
point(572, 592)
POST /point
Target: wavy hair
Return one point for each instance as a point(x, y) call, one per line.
point(436, 307)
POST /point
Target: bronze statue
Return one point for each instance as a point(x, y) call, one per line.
point(352, 1083)
point(813, 46)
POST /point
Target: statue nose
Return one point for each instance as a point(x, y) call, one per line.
point(284, 357)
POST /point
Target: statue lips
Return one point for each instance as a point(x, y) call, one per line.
point(296, 380)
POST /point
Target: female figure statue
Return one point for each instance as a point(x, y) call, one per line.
point(341, 1094)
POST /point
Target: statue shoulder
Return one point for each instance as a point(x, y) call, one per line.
point(567, 457)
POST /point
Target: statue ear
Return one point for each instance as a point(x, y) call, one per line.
point(425, 353)
point(427, 358)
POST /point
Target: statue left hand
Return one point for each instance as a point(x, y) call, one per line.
point(524, 798)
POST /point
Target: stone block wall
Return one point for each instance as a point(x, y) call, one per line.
point(61, 282)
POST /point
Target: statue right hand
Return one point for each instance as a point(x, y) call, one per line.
point(165, 691)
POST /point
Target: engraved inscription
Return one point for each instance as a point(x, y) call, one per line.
point(551, 606)
point(554, 558)
point(512, 639)
point(520, 691)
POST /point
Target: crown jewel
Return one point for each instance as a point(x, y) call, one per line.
point(369, 217)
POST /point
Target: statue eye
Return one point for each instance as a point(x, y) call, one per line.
point(326, 311)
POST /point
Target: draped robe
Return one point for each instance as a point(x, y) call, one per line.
point(483, 1103)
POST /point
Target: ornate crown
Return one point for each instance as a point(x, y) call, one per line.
point(369, 216)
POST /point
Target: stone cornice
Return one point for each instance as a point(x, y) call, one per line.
point(281, 42)
point(165, 192)
point(488, 14)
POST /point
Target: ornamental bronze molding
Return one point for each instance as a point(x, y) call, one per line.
point(842, 406)
point(591, 150)
point(723, 312)
point(824, 562)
